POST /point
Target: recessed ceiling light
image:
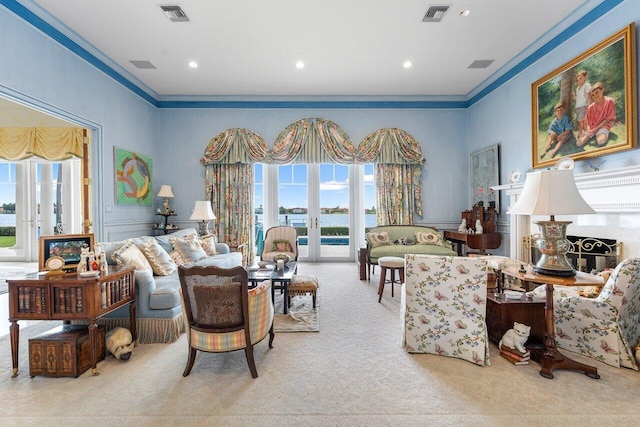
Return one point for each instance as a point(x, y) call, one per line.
point(465, 12)
point(407, 64)
point(193, 64)
point(299, 65)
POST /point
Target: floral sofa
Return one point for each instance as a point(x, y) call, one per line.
point(400, 240)
point(159, 316)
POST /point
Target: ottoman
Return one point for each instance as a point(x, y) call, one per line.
point(303, 284)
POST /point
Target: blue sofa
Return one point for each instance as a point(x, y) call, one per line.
point(159, 317)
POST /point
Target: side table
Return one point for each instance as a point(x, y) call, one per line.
point(502, 312)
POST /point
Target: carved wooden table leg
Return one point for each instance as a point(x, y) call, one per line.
point(93, 342)
point(14, 331)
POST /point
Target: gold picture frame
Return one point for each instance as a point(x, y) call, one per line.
point(611, 65)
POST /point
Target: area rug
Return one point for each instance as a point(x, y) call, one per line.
point(301, 317)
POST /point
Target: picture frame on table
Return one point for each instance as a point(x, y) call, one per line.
point(66, 246)
point(569, 96)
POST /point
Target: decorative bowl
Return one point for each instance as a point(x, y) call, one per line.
point(286, 258)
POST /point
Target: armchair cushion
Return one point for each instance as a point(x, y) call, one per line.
point(281, 245)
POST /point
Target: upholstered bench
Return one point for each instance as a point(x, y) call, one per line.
point(392, 263)
point(303, 284)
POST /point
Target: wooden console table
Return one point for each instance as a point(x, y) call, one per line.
point(548, 355)
point(70, 297)
point(480, 242)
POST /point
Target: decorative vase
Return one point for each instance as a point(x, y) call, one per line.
point(479, 229)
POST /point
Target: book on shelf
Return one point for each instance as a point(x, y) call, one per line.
point(515, 352)
point(512, 360)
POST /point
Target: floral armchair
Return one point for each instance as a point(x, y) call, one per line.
point(607, 327)
point(444, 305)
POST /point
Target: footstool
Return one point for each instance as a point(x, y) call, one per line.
point(303, 284)
point(390, 263)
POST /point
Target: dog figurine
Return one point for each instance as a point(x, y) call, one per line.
point(120, 343)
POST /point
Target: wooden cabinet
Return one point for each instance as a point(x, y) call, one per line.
point(70, 297)
point(479, 242)
point(502, 312)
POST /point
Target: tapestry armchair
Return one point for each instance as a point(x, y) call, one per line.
point(280, 239)
point(607, 327)
point(223, 314)
point(444, 305)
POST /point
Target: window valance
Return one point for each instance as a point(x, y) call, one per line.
point(46, 143)
point(391, 146)
point(235, 146)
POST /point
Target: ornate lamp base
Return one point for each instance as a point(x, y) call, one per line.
point(204, 228)
point(553, 246)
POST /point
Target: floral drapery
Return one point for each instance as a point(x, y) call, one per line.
point(229, 159)
point(309, 141)
point(229, 178)
point(46, 143)
point(398, 174)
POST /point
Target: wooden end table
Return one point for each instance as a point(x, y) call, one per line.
point(70, 297)
point(480, 242)
point(548, 355)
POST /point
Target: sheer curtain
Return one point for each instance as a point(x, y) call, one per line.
point(398, 174)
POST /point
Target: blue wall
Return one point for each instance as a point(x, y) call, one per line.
point(39, 72)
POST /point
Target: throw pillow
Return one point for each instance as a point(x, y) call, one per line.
point(208, 243)
point(159, 259)
point(176, 258)
point(281, 245)
point(129, 254)
point(427, 238)
point(378, 239)
point(189, 248)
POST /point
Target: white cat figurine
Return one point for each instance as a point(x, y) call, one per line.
point(516, 337)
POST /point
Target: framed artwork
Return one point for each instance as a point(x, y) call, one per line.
point(66, 246)
point(587, 107)
point(485, 173)
point(133, 178)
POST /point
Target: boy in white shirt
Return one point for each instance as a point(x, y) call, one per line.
point(583, 99)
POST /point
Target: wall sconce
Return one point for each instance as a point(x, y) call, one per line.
point(202, 212)
point(167, 193)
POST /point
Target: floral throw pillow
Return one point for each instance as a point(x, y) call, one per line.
point(427, 238)
point(176, 258)
point(129, 254)
point(189, 248)
point(378, 239)
point(208, 243)
point(281, 246)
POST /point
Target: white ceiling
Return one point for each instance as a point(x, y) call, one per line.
point(349, 47)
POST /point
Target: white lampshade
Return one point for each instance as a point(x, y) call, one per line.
point(550, 192)
point(202, 211)
point(165, 191)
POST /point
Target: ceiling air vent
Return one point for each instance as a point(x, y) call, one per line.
point(175, 14)
point(435, 13)
point(481, 63)
point(142, 64)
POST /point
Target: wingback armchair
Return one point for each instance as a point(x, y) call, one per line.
point(607, 327)
point(444, 305)
point(223, 314)
point(280, 239)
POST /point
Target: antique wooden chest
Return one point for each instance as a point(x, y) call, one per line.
point(64, 351)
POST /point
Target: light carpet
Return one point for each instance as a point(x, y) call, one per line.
point(301, 316)
point(351, 373)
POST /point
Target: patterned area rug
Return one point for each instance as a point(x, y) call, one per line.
point(12, 271)
point(302, 317)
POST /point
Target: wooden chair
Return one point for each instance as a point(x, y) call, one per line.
point(223, 314)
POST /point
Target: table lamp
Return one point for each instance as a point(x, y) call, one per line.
point(202, 212)
point(166, 192)
point(552, 192)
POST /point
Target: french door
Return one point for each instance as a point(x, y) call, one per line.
point(315, 198)
point(37, 197)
